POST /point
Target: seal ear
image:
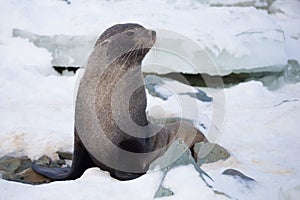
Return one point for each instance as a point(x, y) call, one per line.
point(99, 42)
point(105, 42)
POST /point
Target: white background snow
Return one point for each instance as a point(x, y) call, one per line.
point(260, 128)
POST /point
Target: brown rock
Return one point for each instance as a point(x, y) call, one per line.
point(27, 176)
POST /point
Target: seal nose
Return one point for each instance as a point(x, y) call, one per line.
point(153, 33)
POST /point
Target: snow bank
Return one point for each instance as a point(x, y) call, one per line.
point(97, 184)
point(235, 39)
point(18, 55)
point(287, 16)
point(35, 103)
point(94, 184)
point(66, 50)
point(261, 132)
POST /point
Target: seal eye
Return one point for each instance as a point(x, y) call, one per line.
point(130, 33)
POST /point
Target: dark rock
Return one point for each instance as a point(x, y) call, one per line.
point(57, 163)
point(207, 152)
point(44, 161)
point(61, 162)
point(14, 165)
point(19, 169)
point(26, 176)
point(222, 194)
point(9, 164)
point(54, 164)
point(237, 174)
point(25, 164)
point(5, 175)
point(65, 155)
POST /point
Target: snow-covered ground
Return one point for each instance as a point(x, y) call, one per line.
point(259, 127)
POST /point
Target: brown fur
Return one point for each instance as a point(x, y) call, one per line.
point(111, 128)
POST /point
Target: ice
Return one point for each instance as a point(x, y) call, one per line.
point(235, 39)
point(232, 51)
point(66, 50)
point(238, 3)
point(287, 16)
point(183, 106)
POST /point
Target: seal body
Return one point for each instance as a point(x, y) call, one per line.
point(111, 128)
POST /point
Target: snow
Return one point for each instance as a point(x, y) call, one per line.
point(286, 13)
point(242, 3)
point(259, 127)
point(268, 138)
point(235, 38)
point(66, 50)
point(190, 186)
point(261, 133)
point(232, 38)
point(94, 184)
point(34, 101)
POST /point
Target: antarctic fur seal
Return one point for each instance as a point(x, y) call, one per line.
point(111, 128)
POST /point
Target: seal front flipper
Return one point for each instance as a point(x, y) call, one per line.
point(81, 162)
point(52, 173)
